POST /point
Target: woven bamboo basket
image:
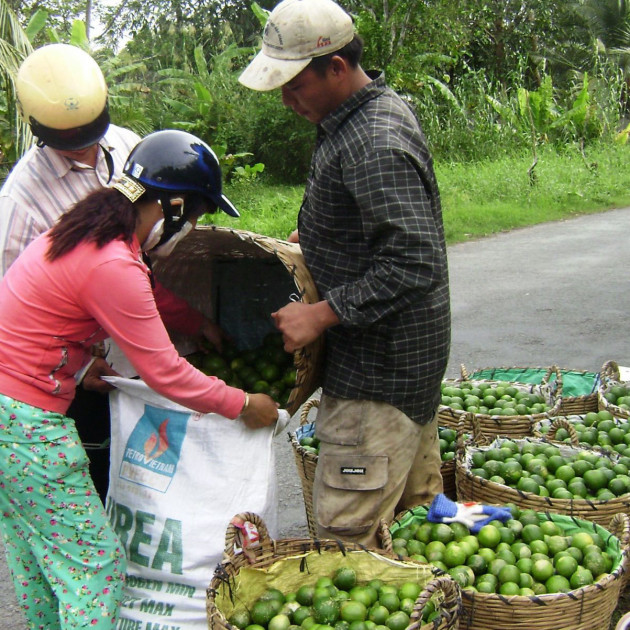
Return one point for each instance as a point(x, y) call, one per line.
point(609, 377)
point(306, 461)
point(448, 479)
point(471, 487)
point(238, 279)
point(571, 380)
point(242, 577)
point(588, 608)
point(509, 426)
point(542, 429)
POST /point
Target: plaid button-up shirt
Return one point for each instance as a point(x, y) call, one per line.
point(372, 236)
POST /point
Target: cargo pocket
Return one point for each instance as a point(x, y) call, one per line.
point(351, 492)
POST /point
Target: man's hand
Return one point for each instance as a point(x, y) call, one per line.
point(294, 237)
point(300, 324)
point(92, 380)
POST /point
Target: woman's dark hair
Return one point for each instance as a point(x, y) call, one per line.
point(351, 52)
point(103, 216)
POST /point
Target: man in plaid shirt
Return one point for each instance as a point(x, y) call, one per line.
point(370, 228)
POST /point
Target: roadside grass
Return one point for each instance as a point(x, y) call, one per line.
point(479, 199)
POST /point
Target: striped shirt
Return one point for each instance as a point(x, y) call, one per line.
point(372, 236)
point(43, 185)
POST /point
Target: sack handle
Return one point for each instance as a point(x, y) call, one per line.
point(448, 605)
point(308, 405)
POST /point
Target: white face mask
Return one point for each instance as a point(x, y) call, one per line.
point(154, 236)
point(166, 248)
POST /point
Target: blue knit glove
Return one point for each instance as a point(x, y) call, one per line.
point(473, 515)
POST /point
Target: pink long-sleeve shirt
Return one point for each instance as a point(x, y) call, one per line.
point(52, 312)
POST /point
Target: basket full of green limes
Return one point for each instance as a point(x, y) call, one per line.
point(613, 394)
point(536, 570)
point(579, 387)
point(305, 450)
point(237, 278)
point(593, 429)
point(500, 407)
point(303, 583)
point(543, 475)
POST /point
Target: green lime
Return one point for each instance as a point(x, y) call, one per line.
point(300, 614)
point(345, 578)
point(566, 566)
point(409, 590)
point(378, 614)
point(262, 610)
point(304, 594)
point(397, 620)
point(279, 622)
point(353, 610)
point(542, 570)
point(489, 536)
point(557, 584)
point(240, 618)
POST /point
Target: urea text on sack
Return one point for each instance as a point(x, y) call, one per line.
point(148, 541)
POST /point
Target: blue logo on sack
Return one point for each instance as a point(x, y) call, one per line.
point(153, 448)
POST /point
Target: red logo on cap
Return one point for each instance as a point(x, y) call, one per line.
point(323, 41)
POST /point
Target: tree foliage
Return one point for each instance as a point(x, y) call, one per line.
point(484, 76)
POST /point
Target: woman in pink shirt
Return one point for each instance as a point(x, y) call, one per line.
point(83, 281)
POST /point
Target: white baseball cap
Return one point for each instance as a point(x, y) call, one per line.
point(296, 32)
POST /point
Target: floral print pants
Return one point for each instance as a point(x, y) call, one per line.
point(66, 561)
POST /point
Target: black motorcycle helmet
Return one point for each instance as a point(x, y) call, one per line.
point(173, 163)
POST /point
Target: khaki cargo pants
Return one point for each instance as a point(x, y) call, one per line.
point(373, 462)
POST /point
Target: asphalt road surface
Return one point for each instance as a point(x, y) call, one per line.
point(554, 294)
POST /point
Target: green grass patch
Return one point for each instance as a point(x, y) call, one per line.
point(479, 199)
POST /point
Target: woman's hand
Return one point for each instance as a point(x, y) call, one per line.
point(213, 333)
point(261, 411)
point(92, 380)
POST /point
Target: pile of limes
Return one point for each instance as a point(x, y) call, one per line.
point(548, 470)
point(495, 399)
point(266, 369)
point(527, 555)
point(310, 443)
point(596, 428)
point(618, 395)
point(339, 602)
point(448, 443)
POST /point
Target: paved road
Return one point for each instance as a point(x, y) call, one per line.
point(552, 294)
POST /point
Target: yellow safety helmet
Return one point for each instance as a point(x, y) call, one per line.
point(62, 95)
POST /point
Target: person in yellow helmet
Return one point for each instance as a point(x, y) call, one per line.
point(62, 95)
